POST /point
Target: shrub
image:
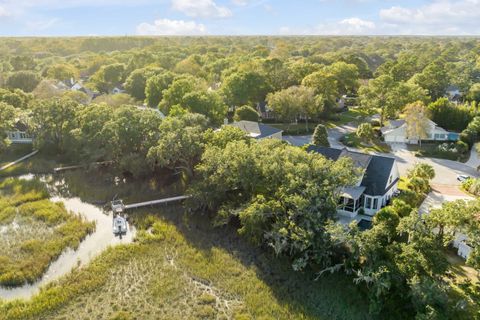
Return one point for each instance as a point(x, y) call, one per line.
point(246, 113)
point(461, 147)
point(320, 136)
point(365, 131)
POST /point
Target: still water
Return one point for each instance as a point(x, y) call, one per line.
point(88, 194)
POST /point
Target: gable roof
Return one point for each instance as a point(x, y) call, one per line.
point(360, 160)
point(377, 174)
point(256, 130)
point(376, 168)
point(395, 124)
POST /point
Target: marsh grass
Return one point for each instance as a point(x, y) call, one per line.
point(33, 231)
point(179, 269)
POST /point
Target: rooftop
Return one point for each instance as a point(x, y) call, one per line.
point(255, 129)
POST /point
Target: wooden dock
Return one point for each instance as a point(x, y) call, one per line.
point(155, 202)
point(8, 165)
point(81, 166)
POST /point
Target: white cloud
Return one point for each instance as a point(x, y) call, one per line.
point(3, 12)
point(349, 26)
point(438, 17)
point(201, 8)
point(241, 3)
point(171, 27)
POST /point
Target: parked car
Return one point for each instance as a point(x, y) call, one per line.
point(463, 177)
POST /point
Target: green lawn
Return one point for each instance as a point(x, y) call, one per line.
point(430, 150)
point(376, 145)
point(355, 115)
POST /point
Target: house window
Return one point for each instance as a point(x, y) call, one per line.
point(439, 136)
point(368, 202)
point(375, 203)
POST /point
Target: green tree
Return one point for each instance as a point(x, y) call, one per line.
point(365, 131)
point(289, 103)
point(434, 78)
point(155, 86)
point(8, 117)
point(208, 103)
point(109, 76)
point(320, 136)
point(53, 119)
point(16, 98)
point(450, 116)
point(282, 195)
point(246, 113)
point(244, 87)
point(388, 96)
point(136, 82)
point(324, 83)
point(346, 76)
point(474, 93)
point(179, 88)
point(24, 80)
point(62, 72)
point(417, 121)
point(180, 144)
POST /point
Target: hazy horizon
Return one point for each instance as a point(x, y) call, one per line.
point(54, 18)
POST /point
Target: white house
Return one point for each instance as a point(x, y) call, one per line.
point(373, 190)
point(258, 130)
point(453, 93)
point(396, 131)
point(20, 134)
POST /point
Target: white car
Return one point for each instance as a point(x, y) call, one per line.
point(462, 177)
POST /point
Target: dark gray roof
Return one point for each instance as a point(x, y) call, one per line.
point(376, 176)
point(329, 153)
point(360, 160)
point(377, 168)
point(256, 130)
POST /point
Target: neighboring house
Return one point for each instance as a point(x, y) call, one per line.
point(117, 90)
point(374, 189)
point(461, 244)
point(453, 93)
point(396, 131)
point(258, 130)
point(80, 87)
point(20, 134)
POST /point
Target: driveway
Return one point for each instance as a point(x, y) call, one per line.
point(446, 171)
point(334, 136)
point(441, 194)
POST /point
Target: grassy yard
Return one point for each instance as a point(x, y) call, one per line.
point(33, 231)
point(355, 115)
point(376, 145)
point(431, 150)
point(184, 269)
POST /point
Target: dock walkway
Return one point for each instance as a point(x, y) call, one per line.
point(155, 202)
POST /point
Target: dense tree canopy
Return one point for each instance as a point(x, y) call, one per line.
point(282, 195)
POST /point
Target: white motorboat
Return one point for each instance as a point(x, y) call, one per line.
point(119, 225)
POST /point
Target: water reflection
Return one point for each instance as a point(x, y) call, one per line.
point(88, 193)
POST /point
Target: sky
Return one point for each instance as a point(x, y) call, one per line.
point(238, 17)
